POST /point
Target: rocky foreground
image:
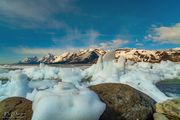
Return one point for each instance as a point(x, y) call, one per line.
point(90, 56)
point(122, 103)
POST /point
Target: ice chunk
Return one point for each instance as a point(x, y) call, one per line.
point(72, 75)
point(43, 72)
point(58, 104)
point(17, 86)
point(31, 95)
point(109, 56)
point(42, 84)
point(142, 76)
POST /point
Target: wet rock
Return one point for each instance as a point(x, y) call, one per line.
point(15, 108)
point(124, 102)
point(170, 108)
point(159, 116)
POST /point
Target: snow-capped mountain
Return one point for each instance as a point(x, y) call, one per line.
point(80, 57)
point(90, 56)
point(153, 56)
point(30, 60)
point(49, 58)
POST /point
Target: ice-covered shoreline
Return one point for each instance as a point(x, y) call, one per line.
point(137, 75)
point(38, 82)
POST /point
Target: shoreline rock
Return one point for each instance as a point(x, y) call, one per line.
point(15, 108)
point(124, 102)
point(170, 108)
point(159, 116)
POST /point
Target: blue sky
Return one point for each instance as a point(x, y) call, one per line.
point(36, 27)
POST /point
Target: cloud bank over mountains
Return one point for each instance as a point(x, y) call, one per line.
point(165, 34)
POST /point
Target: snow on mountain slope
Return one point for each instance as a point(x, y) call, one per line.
point(90, 56)
point(49, 58)
point(87, 56)
point(62, 58)
point(153, 56)
point(30, 60)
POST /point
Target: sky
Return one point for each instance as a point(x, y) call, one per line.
point(39, 27)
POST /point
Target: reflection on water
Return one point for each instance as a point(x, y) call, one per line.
point(171, 89)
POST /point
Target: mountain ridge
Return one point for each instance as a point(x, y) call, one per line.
point(90, 56)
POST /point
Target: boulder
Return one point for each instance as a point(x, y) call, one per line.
point(124, 102)
point(170, 108)
point(15, 108)
point(159, 116)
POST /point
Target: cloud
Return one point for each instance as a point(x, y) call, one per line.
point(37, 51)
point(74, 40)
point(44, 51)
point(75, 35)
point(88, 38)
point(165, 34)
point(139, 44)
point(35, 13)
point(112, 44)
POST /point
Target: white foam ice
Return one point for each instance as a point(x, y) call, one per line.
point(59, 92)
point(72, 75)
point(67, 102)
point(42, 84)
point(43, 72)
point(142, 76)
point(17, 86)
point(53, 99)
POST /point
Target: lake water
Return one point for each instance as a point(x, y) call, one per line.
point(170, 89)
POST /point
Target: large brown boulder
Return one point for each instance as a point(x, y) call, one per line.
point(15, 108)
point(170, 108)
point(124, 102)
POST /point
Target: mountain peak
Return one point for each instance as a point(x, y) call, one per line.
point(89, 56)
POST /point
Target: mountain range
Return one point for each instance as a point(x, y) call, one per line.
point(90, 56)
